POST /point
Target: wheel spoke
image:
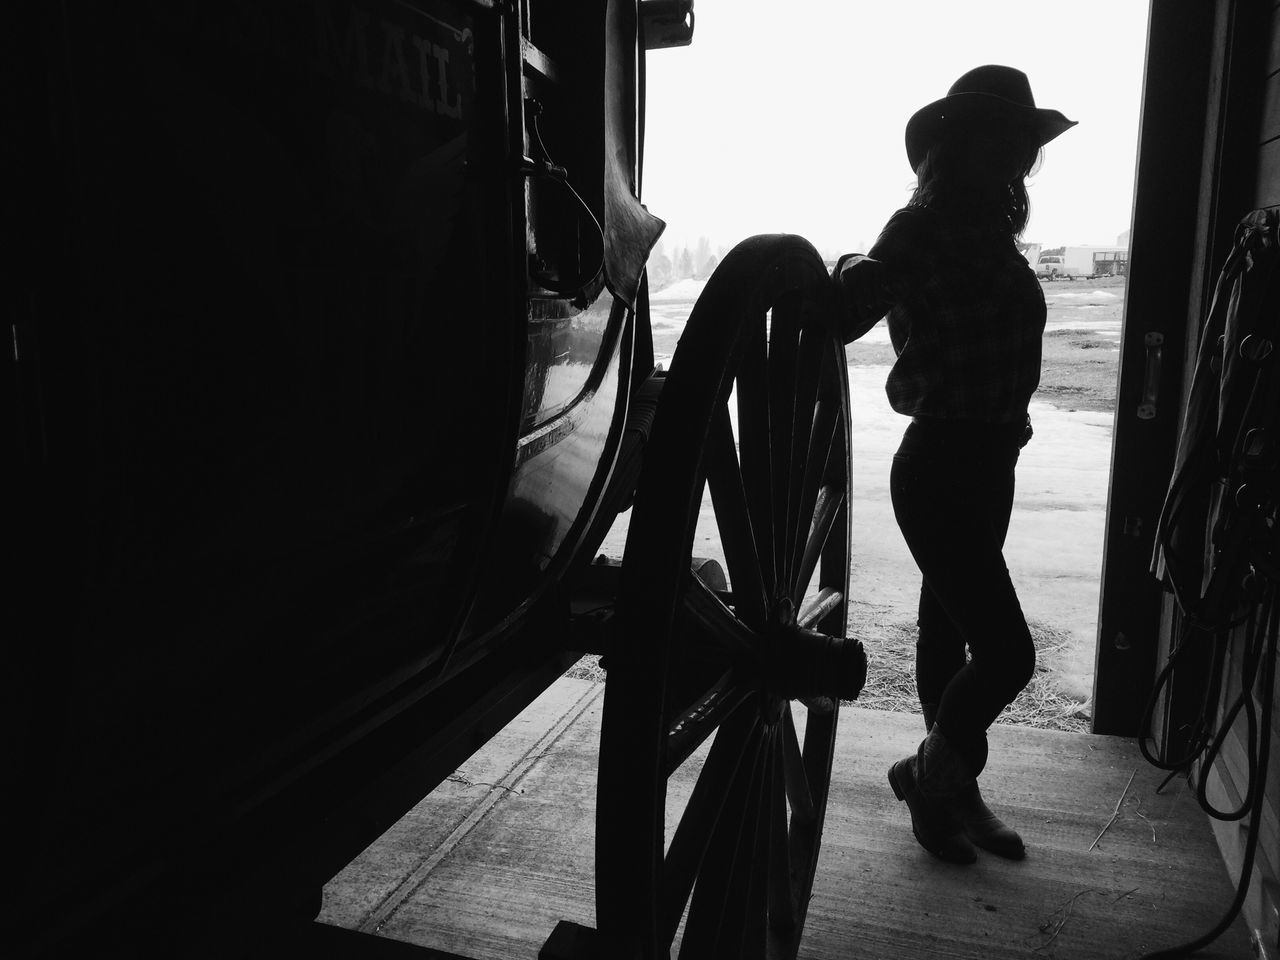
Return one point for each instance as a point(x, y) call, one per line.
point(783, 347)
point(806, 831)
point(746, 928)
point(733, 519)
point(828, 600)
point(819, 731)
point(782, 898)
point(795, 774)
point(806, 386)
point(719, 628)
point(720, 881)
point(826, 426)
point(692, 725)
point(742, 921)
point(838, 459)
point(830, 501)
point(755, 449)
point(716, 783)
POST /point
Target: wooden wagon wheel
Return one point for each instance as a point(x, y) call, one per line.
point(755, 412)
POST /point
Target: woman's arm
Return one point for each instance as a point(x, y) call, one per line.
point(866, 291)
point(868, 285)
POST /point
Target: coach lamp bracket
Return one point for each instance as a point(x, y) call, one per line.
point(666, 23)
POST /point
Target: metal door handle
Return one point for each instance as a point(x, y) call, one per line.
point(1154, 343)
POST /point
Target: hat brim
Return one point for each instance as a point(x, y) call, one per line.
point(932, 122)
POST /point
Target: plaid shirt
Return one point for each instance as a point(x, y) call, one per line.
point(967, 320)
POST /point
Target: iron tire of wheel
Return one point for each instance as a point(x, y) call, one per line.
point(744, 658)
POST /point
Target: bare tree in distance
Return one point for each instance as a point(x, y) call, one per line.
point(684, 265)
point(701, 254)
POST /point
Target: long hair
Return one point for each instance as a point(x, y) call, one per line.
point(951, 177)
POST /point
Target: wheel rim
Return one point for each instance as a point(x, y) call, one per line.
point(754, 416)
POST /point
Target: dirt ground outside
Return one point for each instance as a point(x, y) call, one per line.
point(1054, 547)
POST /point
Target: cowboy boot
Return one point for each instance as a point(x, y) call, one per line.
point(980, 824)
point(984, 828)
point(928, 783)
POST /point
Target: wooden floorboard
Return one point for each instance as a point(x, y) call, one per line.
point(1154, 879)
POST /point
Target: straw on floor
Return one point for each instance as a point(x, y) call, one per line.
point(891, 684)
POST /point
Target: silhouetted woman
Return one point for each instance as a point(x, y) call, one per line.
point(966, 315)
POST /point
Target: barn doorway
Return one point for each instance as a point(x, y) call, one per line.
point(832, 169)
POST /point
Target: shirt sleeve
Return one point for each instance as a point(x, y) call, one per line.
point(863, 292)
point(906, 247)
point(904, 243)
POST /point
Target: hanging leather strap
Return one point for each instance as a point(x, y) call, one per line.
point(1224, 472)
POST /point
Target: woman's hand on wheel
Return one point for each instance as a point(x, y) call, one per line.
point(866, 291)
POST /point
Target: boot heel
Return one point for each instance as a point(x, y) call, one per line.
point(893, 782)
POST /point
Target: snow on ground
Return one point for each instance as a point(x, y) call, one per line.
point(682, 290)
point(1091, 295)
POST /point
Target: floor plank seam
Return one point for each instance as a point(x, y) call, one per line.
point(508, 785)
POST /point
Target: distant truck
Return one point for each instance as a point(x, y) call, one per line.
point(1068, 263)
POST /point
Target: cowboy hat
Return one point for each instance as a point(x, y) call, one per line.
point(989, 92)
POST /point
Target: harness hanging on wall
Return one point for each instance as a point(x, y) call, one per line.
point(1221, 501)
point(1216, 543)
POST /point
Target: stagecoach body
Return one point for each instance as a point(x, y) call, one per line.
point(333, 365)
point(320, 330)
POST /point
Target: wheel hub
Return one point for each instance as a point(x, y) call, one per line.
point(801, 663)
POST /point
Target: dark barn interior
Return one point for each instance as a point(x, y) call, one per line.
point(331, 366)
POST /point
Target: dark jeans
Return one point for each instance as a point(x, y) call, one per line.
point(952, 489)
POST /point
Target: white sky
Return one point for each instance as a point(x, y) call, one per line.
point(788, 115)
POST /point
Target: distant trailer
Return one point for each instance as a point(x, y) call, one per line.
point(1071, 262)
point(1111, 263)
